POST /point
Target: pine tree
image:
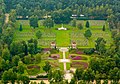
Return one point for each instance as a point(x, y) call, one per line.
point(20, 29)
point(87, 24)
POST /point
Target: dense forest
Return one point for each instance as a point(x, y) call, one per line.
point(91, 9)
point(16, 55)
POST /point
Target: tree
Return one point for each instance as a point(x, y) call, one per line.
point(100, 45)
point(57, 76)
point(88, 34)
point(115, 74)
point(103, 28)
point(12, 16)
point(78, 73)
point(73, 22)
point(4, 65)
point(6, 54)
point(102, 48)
point(23, 78)
point(42, 82)
point(20, 29)
point(15, 60)
point(5, 78)
point(31, 48)
point(38, 34)
point(62, 16)
point(47, 67)
point(48, 22)
point(0, 28)
point(88, 75)
point(72, 81)
point(50, 75)
point(80, 26)
point(37, 58)
point(27, 59)
point(87, 24)
point(9, 76)
point(19, 10)
point(21, 67)
point(33, 21)
point(17, 48)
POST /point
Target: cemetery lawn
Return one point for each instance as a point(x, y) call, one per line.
point(64, 38)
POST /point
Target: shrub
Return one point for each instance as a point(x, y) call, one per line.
point(89, 51)
point(80, 26)
point(72, 51)
point(42, 76)
point(79, 64)
point(87, 24)
point(54, 51)
point(20, 29)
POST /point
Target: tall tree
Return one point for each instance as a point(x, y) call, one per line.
point(6, 54)
point(88, 34)
point(57, 76)
point(25, 79)
point(73, 22)
point(103, 28)
point(15, 60)
point(9, 76)
point(20, 29)
point(33, 21)
point(48, 22)
point(87, 24)
point(80, 26)
point(47, 67)
point(88, 75)
point(38, 34)
point(27, 59)
point(78, 73)
point(12, 16)
point(21, 67)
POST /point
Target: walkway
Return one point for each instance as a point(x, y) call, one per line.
point(6, 18)
point(68, 76)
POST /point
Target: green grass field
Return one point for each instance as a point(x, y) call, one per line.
point(64, 38)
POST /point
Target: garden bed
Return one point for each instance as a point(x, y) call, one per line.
point(54, 56)
point(33, 66)
point(76, 51)
point(54, 64)
point(75, 57)
point(33, 70)
point(79, 64)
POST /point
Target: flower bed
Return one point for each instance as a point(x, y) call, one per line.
point(54, 56)
point(46, 49)
point(33, 66)
point(74, 57)
point(79, 64)
point(79, 52)
point(54, 64)
point(33, 69)
point(76, 51)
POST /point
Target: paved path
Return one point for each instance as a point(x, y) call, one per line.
point(6, 18)
point(64, 60)
point(68, 76)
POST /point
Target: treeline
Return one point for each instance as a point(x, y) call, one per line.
point(62, 10)
point(93, 8)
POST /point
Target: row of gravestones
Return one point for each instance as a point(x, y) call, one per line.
point(45, 42)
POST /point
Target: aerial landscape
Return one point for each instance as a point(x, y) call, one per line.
point(59, 41)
